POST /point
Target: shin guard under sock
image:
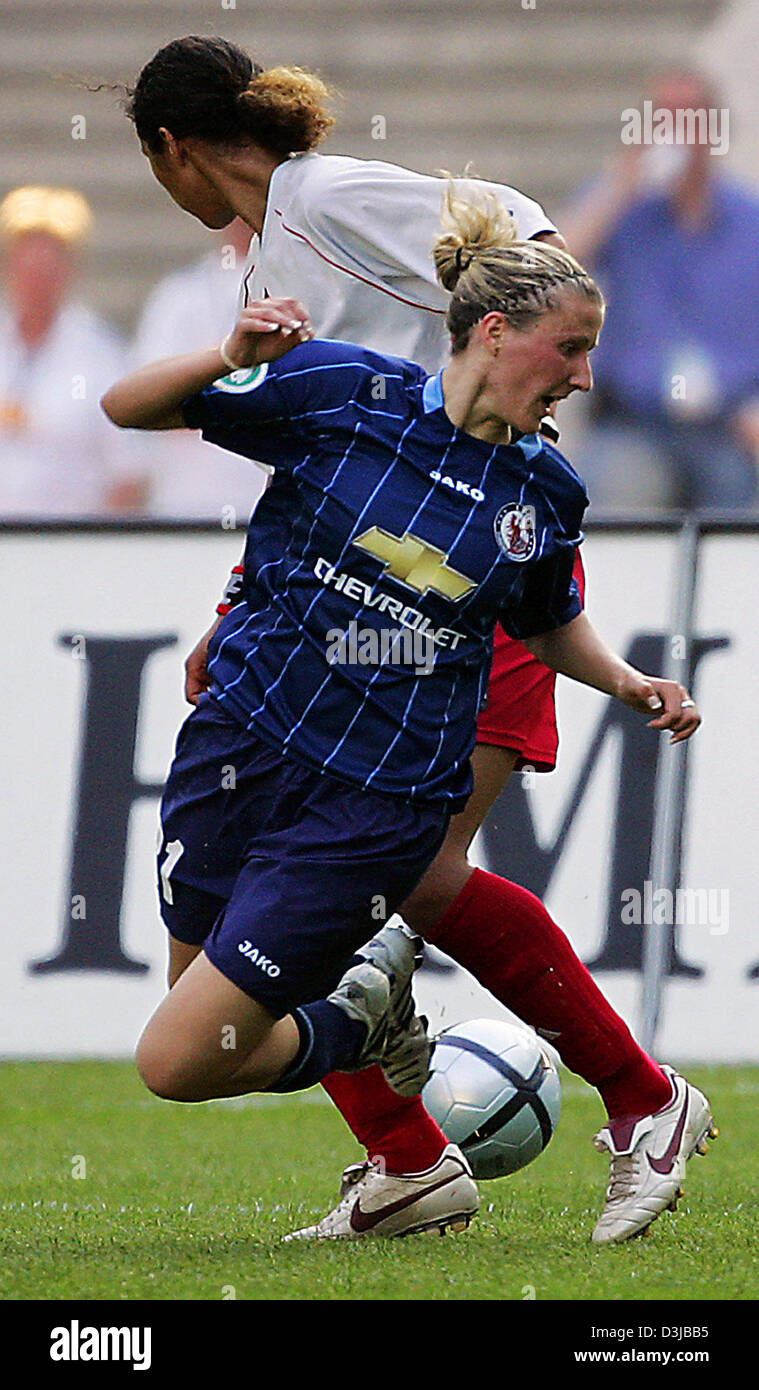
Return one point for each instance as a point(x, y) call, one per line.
point(395, 1128)
point(329, 1039)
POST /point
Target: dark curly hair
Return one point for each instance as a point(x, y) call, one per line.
point(210, 88)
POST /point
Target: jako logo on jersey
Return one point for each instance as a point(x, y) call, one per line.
point(246, 948)
point(515, 531)
point(245, 379)
point(416, 563)
point(458, 485)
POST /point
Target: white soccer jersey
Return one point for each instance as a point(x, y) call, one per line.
point(352, 239)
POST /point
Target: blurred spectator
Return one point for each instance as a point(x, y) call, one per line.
point(59, 456)
point(673, 241)
point(195, 308)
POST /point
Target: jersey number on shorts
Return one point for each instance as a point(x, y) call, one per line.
point(174, 852)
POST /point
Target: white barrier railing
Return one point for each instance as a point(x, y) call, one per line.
point(98, 619)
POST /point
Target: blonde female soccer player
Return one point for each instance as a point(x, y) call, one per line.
point(352, 238)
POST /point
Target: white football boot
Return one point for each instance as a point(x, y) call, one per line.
point(396, 1037)
point(648, 1158)
point(377, 1203)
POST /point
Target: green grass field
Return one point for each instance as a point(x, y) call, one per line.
point(191, 1202)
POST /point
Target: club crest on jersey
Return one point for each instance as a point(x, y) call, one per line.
point(516, 531)
point(244, 379)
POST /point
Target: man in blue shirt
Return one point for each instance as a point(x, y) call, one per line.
point(674, 245)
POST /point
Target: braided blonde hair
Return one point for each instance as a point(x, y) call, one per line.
point(480, 260)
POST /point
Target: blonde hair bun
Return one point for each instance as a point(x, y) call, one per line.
point(481, 260)
point(472, 226)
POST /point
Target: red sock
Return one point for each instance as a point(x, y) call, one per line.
point(503, 934)
point(392, 1127)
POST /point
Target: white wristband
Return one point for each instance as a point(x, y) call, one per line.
point(225, 357)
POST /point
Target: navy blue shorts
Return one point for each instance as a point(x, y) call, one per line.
point(278, 871)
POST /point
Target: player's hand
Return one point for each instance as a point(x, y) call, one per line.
point(673, 706)
point(267, 329)
point(196, 679)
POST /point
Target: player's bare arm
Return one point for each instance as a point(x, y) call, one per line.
point(577, 650)
point(149, 399)
point(552, 239)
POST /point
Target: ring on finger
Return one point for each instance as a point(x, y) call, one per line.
point(687, 704)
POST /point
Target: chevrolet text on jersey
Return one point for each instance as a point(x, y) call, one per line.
point(370, 597)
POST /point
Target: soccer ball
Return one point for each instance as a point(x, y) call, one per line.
point(495, 1092)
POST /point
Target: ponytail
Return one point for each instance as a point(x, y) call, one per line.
point(211, 89)
point(479, 259)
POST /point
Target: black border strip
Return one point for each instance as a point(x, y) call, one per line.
point(714, 524)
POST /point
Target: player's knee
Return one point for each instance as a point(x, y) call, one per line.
point(154, 1071)
point(164, 1073)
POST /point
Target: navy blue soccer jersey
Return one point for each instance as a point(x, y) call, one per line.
point(386, 548)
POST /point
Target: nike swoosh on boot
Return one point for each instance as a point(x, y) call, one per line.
point(362, 1221)
point(666, 1163)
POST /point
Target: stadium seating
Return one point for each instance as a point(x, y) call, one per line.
point(532, 96)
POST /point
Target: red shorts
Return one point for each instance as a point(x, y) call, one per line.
point(520, 710)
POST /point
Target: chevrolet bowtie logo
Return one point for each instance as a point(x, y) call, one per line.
point(416, 563)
